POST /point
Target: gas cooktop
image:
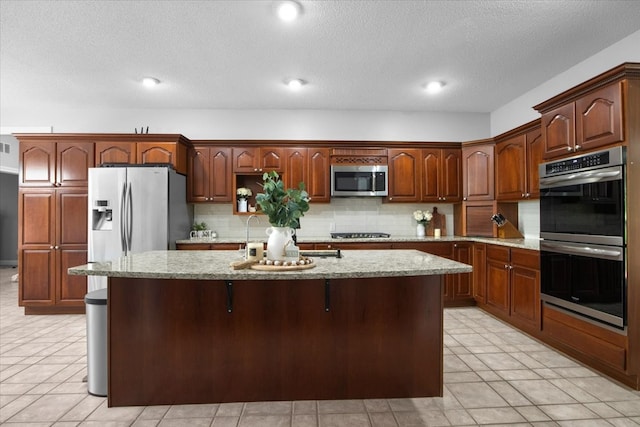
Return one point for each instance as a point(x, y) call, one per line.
point(359, 235)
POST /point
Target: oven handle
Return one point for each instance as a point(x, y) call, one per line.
point(615, 254)
point(610, 174)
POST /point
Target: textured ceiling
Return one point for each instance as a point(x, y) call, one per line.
point(372, 55)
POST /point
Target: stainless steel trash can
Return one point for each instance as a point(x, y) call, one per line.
point(96, 307)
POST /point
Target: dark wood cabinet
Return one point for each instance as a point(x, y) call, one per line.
point(209, 175)
point(518, 154)
point(441, 173)
point(319, 179)
point(311, 166)
point(478, 171)
point(479, 274)
point(55, 164)
point(404, 174)
point(163, 153)
point(461, 288)
point(258, 159)
point(513, 286)
point(52, 237)
point(115, 152)
point(591, 121)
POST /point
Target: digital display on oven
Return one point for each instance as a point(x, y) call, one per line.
point(577, 163)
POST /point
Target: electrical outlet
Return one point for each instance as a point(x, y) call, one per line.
point(332, 226)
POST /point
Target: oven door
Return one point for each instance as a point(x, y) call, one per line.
point(585, 278)
point(580, 205)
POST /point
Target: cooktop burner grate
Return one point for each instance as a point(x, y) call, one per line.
point(359, 235)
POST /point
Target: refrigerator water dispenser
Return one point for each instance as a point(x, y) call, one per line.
point(102, 218)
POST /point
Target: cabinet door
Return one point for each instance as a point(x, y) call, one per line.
point(296, 167)
point(510, 169)
point(36, 246)
point(558, 131)
point(272, 158)
point(37, 164)
point(479, 273)
point(498, 285)
point(73, 160)
point(71, 244)
point(220, 175)
point(534, 158)
point(70, 290)
point(462, 288)
point(404, 175)
point(450, 173)
point(478, 172)
point(115, 152)
point(246, 159)
point(156, 152)
point(431, 162)
point(319, 181)
point(525, 295)
point(36, 274)
point(599, 118)
point(199, 174)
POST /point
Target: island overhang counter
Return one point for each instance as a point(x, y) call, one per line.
point(183, 327)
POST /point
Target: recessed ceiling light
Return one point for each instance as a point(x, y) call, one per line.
point(150, 81)
point(295, 84)
point(289, 10)
point(434, 87)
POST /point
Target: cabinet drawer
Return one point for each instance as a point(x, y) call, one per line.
point(498, 253)
point(525, 258)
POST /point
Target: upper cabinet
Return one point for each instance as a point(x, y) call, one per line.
point(309, 165)
point(441, 172)
point(115, 152)
point(518, 154)
point(478, 171)
point(209, 174)
point(404, 174)
point(55, 164)
point(142, 149)
point(258, 159)
point(588, 116)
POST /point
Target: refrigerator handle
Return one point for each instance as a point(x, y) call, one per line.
point(123, 243)
point(130, 220)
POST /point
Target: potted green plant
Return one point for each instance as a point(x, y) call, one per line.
point(284, 208)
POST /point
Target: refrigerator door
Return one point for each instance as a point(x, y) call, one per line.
point(147, 201)
point(106, 192)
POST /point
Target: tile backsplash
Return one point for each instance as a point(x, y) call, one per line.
point(352, 214)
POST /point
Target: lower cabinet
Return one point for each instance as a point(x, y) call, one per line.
point(513, 286)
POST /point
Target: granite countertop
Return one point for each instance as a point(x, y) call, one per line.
point(214, 265)
point(532, 244)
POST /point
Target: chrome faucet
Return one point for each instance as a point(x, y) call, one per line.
point(246, 245)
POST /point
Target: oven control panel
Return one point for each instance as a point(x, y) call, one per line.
point(612, 157)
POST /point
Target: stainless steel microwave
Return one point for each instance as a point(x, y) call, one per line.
point(363, 180)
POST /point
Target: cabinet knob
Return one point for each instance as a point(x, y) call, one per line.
point(578, 147)
point(51, 247)
point(464, 199)
point(528, 195)
point(57, 247)
point(506, 266)
point(444, 198)
point(568, 148)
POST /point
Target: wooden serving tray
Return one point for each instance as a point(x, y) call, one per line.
point(264, 267)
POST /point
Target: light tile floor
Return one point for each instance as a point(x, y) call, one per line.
point(494, 374)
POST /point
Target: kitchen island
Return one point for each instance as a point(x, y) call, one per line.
point(183, 327)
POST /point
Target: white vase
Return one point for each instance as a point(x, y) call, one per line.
point(279, 237)
point(420, 232)
point(242, 205)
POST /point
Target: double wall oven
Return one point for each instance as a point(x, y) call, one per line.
point(583, 227)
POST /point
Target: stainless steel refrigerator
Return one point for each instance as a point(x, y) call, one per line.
point(134, 209)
